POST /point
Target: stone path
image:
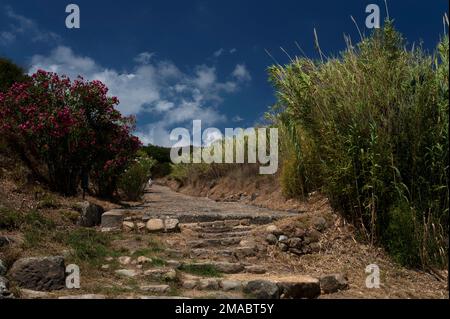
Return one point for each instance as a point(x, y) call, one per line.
point(211, 249)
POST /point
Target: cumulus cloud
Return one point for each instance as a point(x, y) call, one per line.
point(158, 92)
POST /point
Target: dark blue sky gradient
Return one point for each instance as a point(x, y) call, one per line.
point(189, 32)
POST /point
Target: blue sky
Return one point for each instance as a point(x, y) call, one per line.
point(170, 62)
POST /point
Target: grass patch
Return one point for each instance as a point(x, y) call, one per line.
point(48, 201)
point(87, 244)
point(205, 270)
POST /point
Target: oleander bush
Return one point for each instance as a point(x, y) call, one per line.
point(62, 128)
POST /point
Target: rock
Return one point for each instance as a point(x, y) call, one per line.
point(124, 260)
point(247, 243)
point(313, 236)
point(189, 284)
point(261, 289)
point(162, 274)
point(271, 239)
point(299, 233)
point(283, 247)
point(105, 267)
point(208, 284)
point(255, 269)
point(230, 285)
point(163, 225)
point(113, 219)
point(127, 273)
point(4, 289)
point(128, 226)
point(84, 297)
point(2, 268)
point(90, 214)
point(303, 287)
point(144, 260)
point(229, 268)
point(294, 243)
point(333, 283)
point(39, 273)
point(156, 289)
point(319, 223)
point(283, 239)
point(243, 252)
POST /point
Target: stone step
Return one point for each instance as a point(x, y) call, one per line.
point(237, 253)
point(203, 243)
point(237, 234)
point(221, 230)
point(221, 266)
point(252, 218)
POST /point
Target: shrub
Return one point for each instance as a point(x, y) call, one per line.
point(134, 180)
point(10, 74)
point(68, 127)
point(373, 134)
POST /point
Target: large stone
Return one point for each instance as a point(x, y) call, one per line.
point(163, 225)
point(90, 214)
point(271, 239)
point(333, 283)
point(208, 284)
point(39, 273)
point(130, 273)
point(261, 289)
point(229, 268)
point(2, 268)
point(4, 289)
point(303, 287)
point(113, 219)
point(165, 274)
point(230, 285)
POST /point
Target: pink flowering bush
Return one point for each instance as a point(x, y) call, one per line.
point(62, 128)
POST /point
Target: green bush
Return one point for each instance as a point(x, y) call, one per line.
point(134, 180)
point(370, 128)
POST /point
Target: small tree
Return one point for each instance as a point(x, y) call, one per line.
point(134, 180)
point(61, 128)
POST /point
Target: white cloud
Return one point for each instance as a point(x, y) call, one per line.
point(24, 27)
point(144, 57)
point(241, 73)
point(219, 52)
point(233, 51)
point(158, 92)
